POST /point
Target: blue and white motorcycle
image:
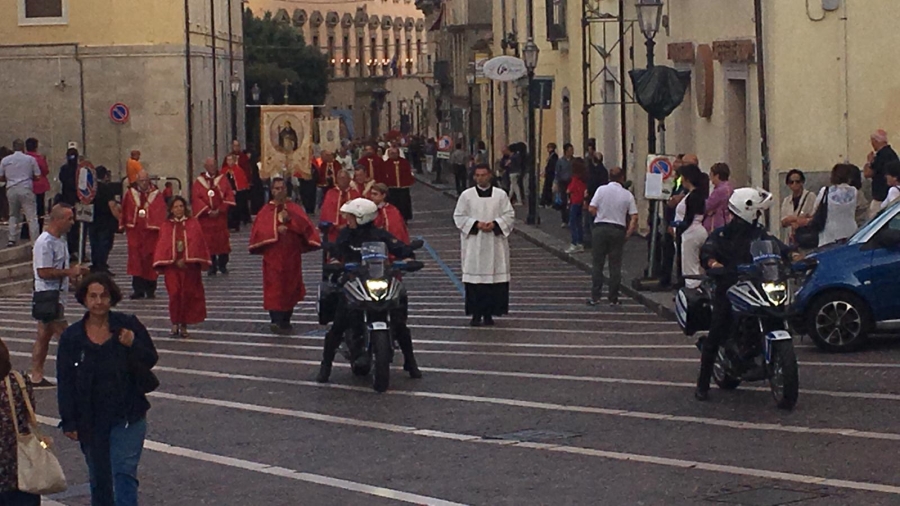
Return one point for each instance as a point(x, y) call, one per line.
point(760, 347)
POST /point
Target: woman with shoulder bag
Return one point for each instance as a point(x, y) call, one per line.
point(796, 206)
point(104, 372)
point(838, 201)
point(10, 495)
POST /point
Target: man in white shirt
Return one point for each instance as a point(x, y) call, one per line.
point(52, 272)
point(19, 170)
point(615, 220)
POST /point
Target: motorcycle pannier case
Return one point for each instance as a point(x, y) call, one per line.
point(327, 302)
point(693, 311)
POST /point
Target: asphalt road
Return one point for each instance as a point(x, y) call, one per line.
point(559, 404)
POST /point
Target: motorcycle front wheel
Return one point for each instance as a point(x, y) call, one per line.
point(784, 375)
point(721, 367)
point(381, 346)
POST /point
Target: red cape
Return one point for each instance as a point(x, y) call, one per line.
point(195, 250)
point(215, 229)
point(236, 172)
point(390, 219)
point(153, 204)
point(372, 163)
point(265, 228)
point(331, 209)
point(328, 171)
point(396, 174)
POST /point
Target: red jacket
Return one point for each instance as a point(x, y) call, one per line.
point(576, 191)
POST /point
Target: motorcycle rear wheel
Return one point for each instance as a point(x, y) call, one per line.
point(784, 377)
point(720, 372)
point(381, 345)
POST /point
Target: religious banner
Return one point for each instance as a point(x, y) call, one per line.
point(330, 134)
point(286, 133)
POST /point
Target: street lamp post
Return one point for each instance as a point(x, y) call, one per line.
point(649, 19)
point(235, 89)
point(417, 100)
point(530, 54)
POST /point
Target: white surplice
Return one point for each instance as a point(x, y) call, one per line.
point(485, 255)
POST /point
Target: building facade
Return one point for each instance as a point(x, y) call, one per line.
point(379, 55)
point(172, 63)
point(829, 82)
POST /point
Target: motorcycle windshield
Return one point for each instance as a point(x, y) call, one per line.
point(767, 257)
point(374, 256)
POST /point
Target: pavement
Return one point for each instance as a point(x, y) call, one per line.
point(559, 404)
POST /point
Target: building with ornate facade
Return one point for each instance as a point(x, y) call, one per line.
point(380, 59)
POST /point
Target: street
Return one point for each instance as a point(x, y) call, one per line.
point(560, 403)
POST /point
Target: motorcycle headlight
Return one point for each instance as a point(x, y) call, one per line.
point(377, 288)
point(776, 292)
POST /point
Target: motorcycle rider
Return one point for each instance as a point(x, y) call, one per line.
point(360, 214)
point(726, 249)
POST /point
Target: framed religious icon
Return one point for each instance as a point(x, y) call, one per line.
point(286, 134)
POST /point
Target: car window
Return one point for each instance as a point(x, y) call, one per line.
point(868, 230)
point(894, 224)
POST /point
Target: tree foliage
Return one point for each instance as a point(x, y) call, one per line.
point(274, 52)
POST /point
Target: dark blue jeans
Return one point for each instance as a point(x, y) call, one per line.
point(576, 224)
point(112, 458)
point(102, 239)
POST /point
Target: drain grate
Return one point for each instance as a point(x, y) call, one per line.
point(765, 497)
point(534, 436)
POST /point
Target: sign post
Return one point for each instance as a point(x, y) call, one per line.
point(657, 188)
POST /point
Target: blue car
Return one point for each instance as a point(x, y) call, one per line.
point(854, 286)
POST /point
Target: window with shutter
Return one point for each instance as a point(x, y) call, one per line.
point(556, 20)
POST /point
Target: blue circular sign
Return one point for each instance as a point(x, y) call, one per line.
point(661, 165)
point(119, 113)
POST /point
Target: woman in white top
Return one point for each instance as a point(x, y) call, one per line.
point(841, 221)
point(796, 206)
point(892, 175)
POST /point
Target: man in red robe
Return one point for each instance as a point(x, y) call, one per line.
point(362, 183)
point(143, 212)
point(397, 174)
point(181, 255)
point(388, 217)
point(372, 162)
point(281, 233)
point(328, 170)
point(211, 197)
point(240, 185)
point(334, 199)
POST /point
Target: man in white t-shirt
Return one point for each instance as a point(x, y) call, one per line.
point(52, 272)
point(615, 220)
point(19, 170)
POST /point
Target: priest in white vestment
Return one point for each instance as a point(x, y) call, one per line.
point(485, 218)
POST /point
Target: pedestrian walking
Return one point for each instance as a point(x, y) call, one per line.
point(458, 162)
point(563, 178)
point(717, 213)
point(690, 230)
point(281, 233)
point(388, 217)
point(107, 213)
point(839, 198)
point(104, 370)
point(143, 213)
point(615, 220)
point(52, 273)
point(69, 194)
point(575, 193)
point(882, 154)
point(181, 254)
point(40, 186)
point(549, 176)
point(485, 219)
point(211, 198)
point(597, 176)
point(334, 200)
point(397, 174)
point(516, 172)
point(796, 206)
point(14, 414)
point(19, 171)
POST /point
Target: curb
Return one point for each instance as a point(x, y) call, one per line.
point(546, 241)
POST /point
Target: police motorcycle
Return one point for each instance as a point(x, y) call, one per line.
point(760, 346)
point(372, 289)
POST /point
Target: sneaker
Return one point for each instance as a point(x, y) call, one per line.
point(578, 249)
point(571, 249)
point(44, 383)
point(614, 302)
point(11, 244)
point(593, 302)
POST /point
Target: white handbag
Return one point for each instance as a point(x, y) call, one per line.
point(39, 471)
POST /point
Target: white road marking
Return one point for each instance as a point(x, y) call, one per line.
point(281, 472)
point(573, 450)
point(520, 375)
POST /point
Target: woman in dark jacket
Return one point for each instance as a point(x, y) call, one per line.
point(103, 369)
point(10, 495)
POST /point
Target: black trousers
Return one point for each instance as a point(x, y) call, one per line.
point(564, 212)
point(17, 498)
point(219, 263)
point(459, 172)
point(719, 328)
point(666, 255)
point(346, 319)
point(281, 318)
point(240, 213)
point(308, 191)
point(143, 286)
point(402, 200)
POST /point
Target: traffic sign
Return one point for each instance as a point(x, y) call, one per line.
point(661, 165)
point(119, 113)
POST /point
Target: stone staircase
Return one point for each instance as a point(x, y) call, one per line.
point(16, 275)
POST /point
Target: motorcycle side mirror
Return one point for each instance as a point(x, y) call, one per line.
point(417, 244)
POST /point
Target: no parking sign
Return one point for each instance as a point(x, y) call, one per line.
point(660, 177)
point(119, 113)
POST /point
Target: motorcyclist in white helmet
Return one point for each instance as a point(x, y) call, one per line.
point(360, 214)
point(726, 249)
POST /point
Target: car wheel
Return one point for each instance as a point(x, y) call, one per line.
point(839, 322)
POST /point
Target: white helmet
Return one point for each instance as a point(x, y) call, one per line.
point(748, 204)
point(364, 209)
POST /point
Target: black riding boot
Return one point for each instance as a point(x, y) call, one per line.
point(332, 342)
point(404, 339)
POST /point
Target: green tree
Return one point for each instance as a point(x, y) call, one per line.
point(274, 52)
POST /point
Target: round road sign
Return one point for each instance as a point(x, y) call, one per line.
point(661, 165)
point(119, 113)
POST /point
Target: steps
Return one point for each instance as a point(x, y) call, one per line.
point(16, 276)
